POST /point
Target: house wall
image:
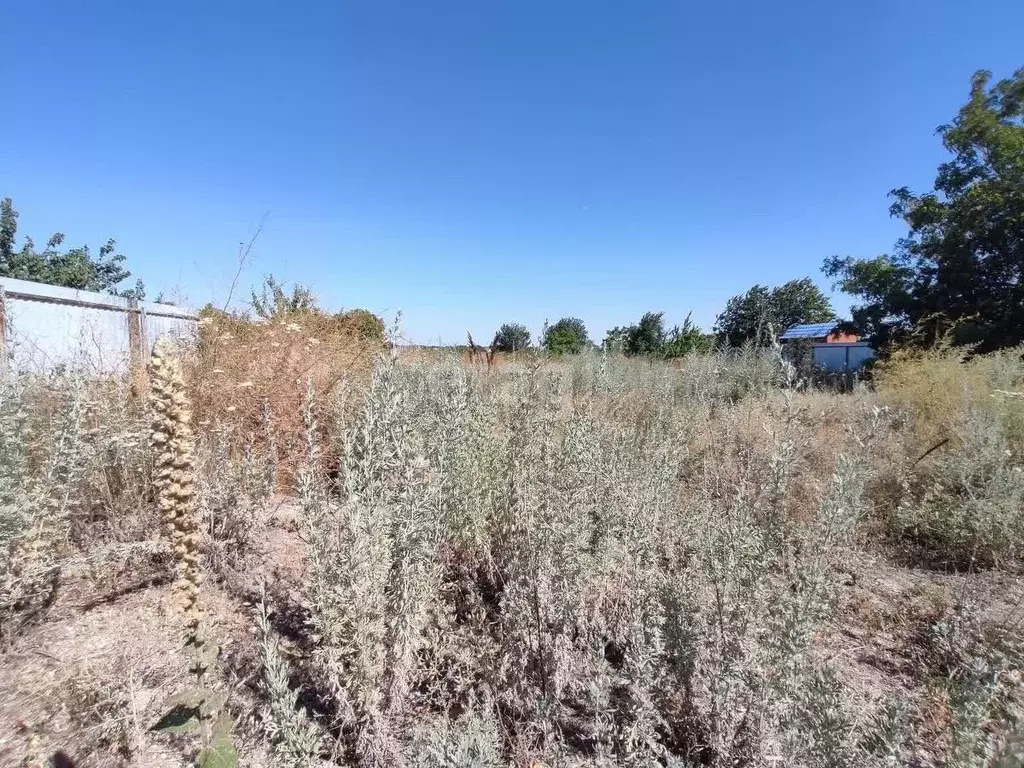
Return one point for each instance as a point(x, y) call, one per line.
point(837, 337)
point(839, 356)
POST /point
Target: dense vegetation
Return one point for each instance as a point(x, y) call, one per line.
point(596, 561)
point(511, 337)
point(760, 314)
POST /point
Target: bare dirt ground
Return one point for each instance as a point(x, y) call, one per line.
point(91, 676)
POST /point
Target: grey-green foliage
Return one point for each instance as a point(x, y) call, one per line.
point(978, 666)
point(274, 300)
point(234, 482)
point(14, 470)
point(548, 548)
point(38, 496)
point(472, 741)
point(295, 737)
point(373, 567)
point(970, 510)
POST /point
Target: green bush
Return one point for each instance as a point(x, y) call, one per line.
point(567, 336)
point(646, 337)
point(511, 337)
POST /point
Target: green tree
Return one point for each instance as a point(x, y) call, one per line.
point(511, 337)
point(799, 301)
point(75, 268)
point(646, 337)
point(274, 300)
point(960, 268)
point(8, 230)
point(745, 317)
point(760, 312)
point(567, 336)
point(615, 339)
point(687, 339)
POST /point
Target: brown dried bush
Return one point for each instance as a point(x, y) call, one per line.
point(246, 373)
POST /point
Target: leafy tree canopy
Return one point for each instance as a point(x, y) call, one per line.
point(646, 337)
point(760, 312)
point(615, 339)
point(567, 336)
point(74, 268)
point(960, 268)
point(649, 337)
point(511, 337)
point(686, 339)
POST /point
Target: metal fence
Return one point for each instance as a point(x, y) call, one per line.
point(45, 326)
point(843, 356)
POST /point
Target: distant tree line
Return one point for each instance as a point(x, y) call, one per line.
point(957, 276)
point(756, 316)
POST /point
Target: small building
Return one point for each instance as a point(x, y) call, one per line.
point(832, 349)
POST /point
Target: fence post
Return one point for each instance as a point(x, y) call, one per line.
point(136, 335)
point(4, 353)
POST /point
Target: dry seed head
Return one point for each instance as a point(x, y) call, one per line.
point(171, 440)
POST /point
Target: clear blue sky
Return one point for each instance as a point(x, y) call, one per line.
point(476, 162)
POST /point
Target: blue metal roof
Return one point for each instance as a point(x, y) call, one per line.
point(809, 331)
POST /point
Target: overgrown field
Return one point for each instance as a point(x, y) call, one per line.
point(587, 561)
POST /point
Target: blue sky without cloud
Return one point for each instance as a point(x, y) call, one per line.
point(477, 162)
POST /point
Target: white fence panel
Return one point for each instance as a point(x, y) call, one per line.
point(45, 326)
point(161, 320)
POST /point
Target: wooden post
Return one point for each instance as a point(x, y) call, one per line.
point(4, 352)
point(136, 338)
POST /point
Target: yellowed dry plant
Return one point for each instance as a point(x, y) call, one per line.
point(174, 478)
point(247, 372)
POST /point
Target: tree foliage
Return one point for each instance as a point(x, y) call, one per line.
point(74, 268)
point(959, 271)
point(615, 339)
point(649, 337)
point(567, 336)
point(511, 337)
point(687, 339)
point(364, 325)
point(646, 337)
point(760, 312)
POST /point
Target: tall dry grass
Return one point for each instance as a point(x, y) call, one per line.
point(599, 563)
point(957, 499)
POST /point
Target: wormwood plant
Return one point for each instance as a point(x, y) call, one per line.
point(584, 563)
point(171, 439)
point(296, 739)
point(235, 478)
point(37, 496)
point(373, 569)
